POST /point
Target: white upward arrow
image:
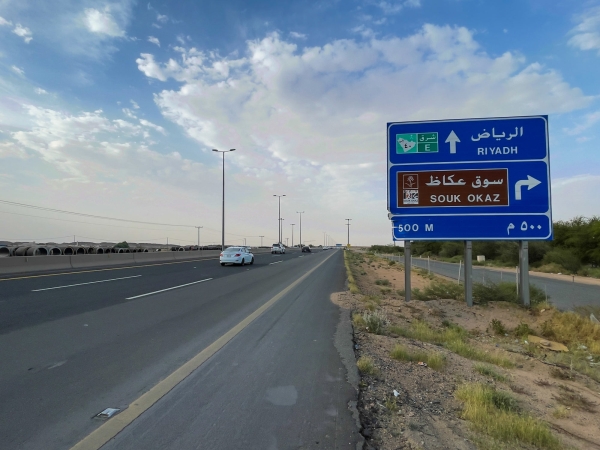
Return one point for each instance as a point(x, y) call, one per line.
point(452, 139)
point(530, 182)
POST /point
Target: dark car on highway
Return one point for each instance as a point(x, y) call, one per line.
point(306, 249)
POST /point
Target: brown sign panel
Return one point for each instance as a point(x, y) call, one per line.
point(465, 187)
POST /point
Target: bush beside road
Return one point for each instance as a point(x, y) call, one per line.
point(427, 361)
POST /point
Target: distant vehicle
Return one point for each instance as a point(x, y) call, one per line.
point(325, 248)
point(278, 248)
point(306, 250)
point(236, 255)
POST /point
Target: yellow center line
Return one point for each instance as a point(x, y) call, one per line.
point(114, 426)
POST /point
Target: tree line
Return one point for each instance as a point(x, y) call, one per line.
point(575, 247)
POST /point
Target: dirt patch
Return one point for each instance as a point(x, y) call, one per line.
point(408, 405)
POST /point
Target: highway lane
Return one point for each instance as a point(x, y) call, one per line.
point(58, 373)
point(562, 294)
point(30, 300)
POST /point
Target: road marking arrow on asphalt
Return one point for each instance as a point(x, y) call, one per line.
point(452, 139)
point(530, 182)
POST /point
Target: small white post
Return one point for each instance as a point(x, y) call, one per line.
point(459, 267)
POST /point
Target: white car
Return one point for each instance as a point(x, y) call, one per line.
point(278, 248)
point(236, 255)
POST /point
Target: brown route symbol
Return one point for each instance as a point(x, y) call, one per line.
point(464, 187)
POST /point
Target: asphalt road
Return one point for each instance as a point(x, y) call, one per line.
point(72, 345)
point(562, 294)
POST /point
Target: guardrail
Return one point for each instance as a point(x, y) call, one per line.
point(29, 264)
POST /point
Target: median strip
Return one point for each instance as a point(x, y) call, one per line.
point(168, 289)
point(81, 284)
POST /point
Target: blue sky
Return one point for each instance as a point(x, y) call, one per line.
point(113, 107)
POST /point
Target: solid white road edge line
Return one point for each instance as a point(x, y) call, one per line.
point(81, 284)
point(168, 289)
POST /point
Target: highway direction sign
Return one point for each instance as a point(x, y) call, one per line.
point(470, 179)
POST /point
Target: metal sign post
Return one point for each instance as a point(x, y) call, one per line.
point(407, 256)
point(524, 273)
point(469, 273)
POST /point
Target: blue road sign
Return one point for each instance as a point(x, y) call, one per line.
point(472, 179)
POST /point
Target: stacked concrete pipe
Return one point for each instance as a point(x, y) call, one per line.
point(37, 251)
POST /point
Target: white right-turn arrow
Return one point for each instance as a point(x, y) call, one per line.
point(452, 139)
point(530, 182)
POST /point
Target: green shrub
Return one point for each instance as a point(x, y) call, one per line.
point(438, 290)
point(375, 322)
point(523, 330)
point(564, 257)
point(383, 282)
point(505, 292)
point(498, 327)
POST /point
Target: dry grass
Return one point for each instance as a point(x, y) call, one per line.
point(559, 374)
point(572, 329)
point(489, 372)
point(434, 360)
point(352, 286)
point(560, 412)
point(375, 322)
point(575, 400)
point(495, 413)
point(366, 366)
point(543, 383)
point(454, 338)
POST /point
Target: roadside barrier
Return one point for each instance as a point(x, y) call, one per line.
point(33, 264)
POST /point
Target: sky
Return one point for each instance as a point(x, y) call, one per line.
point(113, 108)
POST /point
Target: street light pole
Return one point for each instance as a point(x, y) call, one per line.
point(348, 224)
point(198, 236)
point(292, 224)
point(223, 206)
point(279, 196)
point(300, 212)
point(261, 242)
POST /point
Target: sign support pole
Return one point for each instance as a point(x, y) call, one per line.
point(469, 272)
point(524, 273)
point(407, 288)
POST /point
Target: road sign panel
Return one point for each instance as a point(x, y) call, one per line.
point(492, 227)
point(470, 168)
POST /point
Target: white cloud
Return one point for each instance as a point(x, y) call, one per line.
point(153, 40)
point(134, 104)
point(584, 123)
point(155, 25)
point(149, 124)
point(575, 196)
point(11, 150)
point(162, 18)
point(23, 32)
point(4, 22)
point(394, 7)
point(319, 112)
point(586, 35)
point(296, 35)
point(102, 22)
point(18, 70)
point(40, 91)
point(129, 113)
